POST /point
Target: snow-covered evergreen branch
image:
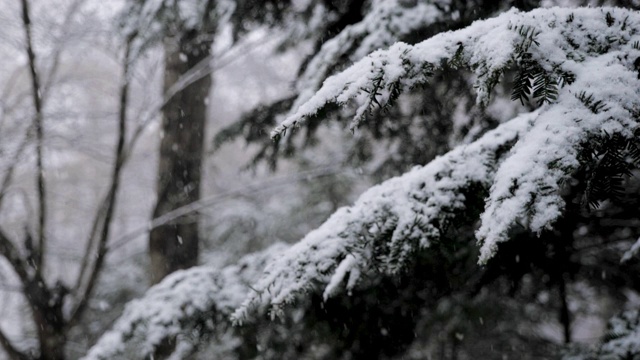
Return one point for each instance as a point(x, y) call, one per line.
point(623, 336)
point(388, 223)
point(186, 300)
point(622, 340)
point(581, 64)
point(558, 42)
point(386, 23)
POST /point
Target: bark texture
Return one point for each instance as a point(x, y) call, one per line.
point(174, 246)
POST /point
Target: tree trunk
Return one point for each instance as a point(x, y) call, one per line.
point(51, 326)
point(51, 335)
point(174, 246)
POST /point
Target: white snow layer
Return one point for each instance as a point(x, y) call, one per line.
point(182, 298)
point(589, 52)
point(385, 24)
point(402, 214)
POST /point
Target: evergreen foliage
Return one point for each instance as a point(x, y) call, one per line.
point(381, 25)
point(529, 196)
point(526, 183)
point(197, 299)
point(544, 192)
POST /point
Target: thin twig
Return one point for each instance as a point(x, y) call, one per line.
point(90, 244)
point(197, 72)
point(212, 200)
point(57, 52)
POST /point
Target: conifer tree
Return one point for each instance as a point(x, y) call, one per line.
point(548, 193)
point(522, 164)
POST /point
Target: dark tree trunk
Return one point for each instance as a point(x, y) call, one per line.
point(51, 326)
point(51, 334)
point(174, 246)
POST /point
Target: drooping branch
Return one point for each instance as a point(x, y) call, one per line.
point(386, 225)
point(526, 197)
point(179, 302)
point(386, 23)
point(523, 179)
point(378, 79)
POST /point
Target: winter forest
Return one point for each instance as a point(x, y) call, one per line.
point(319, 179)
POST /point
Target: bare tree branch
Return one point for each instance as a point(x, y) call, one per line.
point(50, 77)
point(258, 187)
point(91, 240)
point(33, 286)
point(37, 102)
point(86, 283)
point(15, 259)
point(55, 63)
point(39, 95)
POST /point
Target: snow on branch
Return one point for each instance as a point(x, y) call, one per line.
point(622, 340)
point(552, 45)
point(624, 336)
point(581, 66)
point(387, 22)
point(387, 224)
point(183, 301)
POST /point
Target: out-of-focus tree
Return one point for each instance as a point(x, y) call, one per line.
point(187, 30)
point(56, 301)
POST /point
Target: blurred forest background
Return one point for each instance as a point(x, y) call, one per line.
point(95, 94)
